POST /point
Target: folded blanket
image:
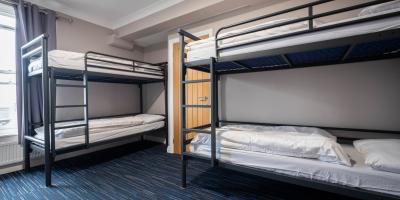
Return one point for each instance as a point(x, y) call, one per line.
point(113, 122)
point(295, 144)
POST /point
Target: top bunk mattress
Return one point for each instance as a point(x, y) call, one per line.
point(199, 52)
point(76, 61)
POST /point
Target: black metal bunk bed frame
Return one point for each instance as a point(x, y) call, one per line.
point(391, 50)
point(38, 47)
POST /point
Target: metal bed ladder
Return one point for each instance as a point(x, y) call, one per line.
point(49, 87)
point(53, 107)
point(183, 106)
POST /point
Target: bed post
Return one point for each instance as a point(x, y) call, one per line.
point(52, 114)
point(45, 90)
point(182, 109)
point(214, 111)
point(310, 14)
point(140, 85)
point(216, 99)
point(86, 100)
point(166, 104)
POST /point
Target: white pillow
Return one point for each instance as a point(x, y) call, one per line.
point(380, 8)
point(63, 133)
point(380, 154)
point(149, 118)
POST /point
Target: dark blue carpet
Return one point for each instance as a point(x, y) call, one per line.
point(144, 171)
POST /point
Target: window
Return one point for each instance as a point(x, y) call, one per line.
point(8, 108)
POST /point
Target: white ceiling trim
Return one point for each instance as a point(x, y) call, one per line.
point(112, 23)
point(56, 6)
point(144, 12)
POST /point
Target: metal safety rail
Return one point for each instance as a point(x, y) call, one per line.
point(382, 44)
point(183, 106)
point(37, 49)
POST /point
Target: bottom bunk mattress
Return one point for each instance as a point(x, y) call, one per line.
point(358, 175)
point(104, 129)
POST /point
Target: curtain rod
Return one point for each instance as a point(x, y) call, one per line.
point(58, 16)
point(8, 2)
point(13, 3)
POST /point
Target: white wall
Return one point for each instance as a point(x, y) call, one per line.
point(156, 53)
point(83, 36)
point(154, 98)
point(104, 98)
point(154, 94)
point(360, 95)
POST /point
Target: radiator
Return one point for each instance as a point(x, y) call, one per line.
point(10, 153)
point(13, 153)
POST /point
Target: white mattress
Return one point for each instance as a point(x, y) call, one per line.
point(100, 134)
point(204, 49)
point(359, 175)
point(74, 60)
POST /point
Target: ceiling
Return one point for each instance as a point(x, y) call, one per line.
point(147, 22)
point(110, 14)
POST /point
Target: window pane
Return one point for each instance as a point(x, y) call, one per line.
point(7, 52)
point(7, 21)
point(7, 78)
point(8, 108)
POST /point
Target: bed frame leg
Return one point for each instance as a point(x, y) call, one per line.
point(184, 166)
point(47, 168)
point(27, 158)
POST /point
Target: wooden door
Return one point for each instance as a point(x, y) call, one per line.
point(196, 93)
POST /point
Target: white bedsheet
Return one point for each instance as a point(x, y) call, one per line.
point(359, 175)
point(103, 128)
point(204, 49)
point(103, 134)
point(74, 60)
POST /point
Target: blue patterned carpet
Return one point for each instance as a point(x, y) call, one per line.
point(144, 171)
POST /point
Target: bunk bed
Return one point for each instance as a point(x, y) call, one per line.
point(288, 44)
point(64, 69)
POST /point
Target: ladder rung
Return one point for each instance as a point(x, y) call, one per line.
point(70, 149)
point(197, 81)
point(196, 106)
point(32, 52)
point(188, 130)
point(194, 155)
point(68, 85)
point(68, 120)
point(33, 139)
point(188, 141)
point(70, 126)
point(70, 106)
point(38, 147)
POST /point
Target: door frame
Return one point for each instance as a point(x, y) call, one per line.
point(171, 41)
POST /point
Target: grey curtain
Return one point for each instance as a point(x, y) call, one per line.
point(31, 22)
